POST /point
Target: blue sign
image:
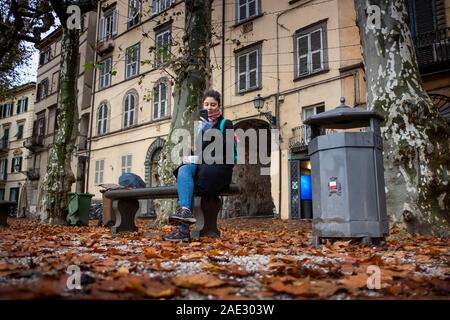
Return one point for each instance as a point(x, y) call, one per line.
point(305, 188)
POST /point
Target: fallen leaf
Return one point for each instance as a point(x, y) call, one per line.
point(198, 280)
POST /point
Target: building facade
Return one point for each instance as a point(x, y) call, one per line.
point(46, 108)
point(296, 57)
point(16, 123)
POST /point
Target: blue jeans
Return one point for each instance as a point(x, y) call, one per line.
point(185, 185)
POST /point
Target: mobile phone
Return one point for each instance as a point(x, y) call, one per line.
point(204, 114)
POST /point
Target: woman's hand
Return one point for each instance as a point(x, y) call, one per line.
point(186, 160)
point(205, 125)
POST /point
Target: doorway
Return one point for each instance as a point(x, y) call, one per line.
point(300, 189)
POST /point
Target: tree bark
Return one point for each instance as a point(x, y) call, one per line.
point(416, 148)
point(59, 176)
point(192, 79)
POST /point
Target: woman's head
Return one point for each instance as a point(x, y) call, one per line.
point(211, 102)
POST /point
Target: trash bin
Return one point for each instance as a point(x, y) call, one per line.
point(347, 175)
point(79, 207)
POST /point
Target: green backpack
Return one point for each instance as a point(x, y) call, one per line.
point(222, 127)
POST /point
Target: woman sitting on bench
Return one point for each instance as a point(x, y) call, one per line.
point(204, 178)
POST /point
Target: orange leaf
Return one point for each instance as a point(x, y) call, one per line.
point(151, 253)
point(198, 280)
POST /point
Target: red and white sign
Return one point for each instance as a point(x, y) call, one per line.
point(332, 185)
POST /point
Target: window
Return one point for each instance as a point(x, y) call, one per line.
point(162, 53)
point(248, 69)
point(159, 6)
point(132, 61)
point(42, 89)
point(41, 126)
point(134, 12)
point(6, 110)
point(102, 119)
point(22, 105)
point(16, 165)
point(44, 57)
point(3, 171)
point(55, 81)
point(129, 110)
point(246, 9)
point(160, 99)
point(5, 138)
point(37, 162)
point(310, 55)
point(126, 163)
point(14, 194)
point(308, 112)
point(2, 193)
point(99, 169)
point(105, 73)
point(19, 131)
point(108, 25)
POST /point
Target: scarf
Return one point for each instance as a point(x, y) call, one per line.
point(214, 115)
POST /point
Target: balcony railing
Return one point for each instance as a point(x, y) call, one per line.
point(3, 177)
point(33, 174)
point(105, 45)
point(34, 143)
point(433, 49)
point(301, 136)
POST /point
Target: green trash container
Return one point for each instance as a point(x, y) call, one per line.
point(79, 207)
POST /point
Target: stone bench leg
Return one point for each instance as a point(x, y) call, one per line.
point(4, 213)
point(125, 210)
point(206, 211)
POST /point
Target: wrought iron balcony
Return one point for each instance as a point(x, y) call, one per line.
point(433, 50)
point(301, 136)
point(34, 143)
point(33, 174)
point(105, 45)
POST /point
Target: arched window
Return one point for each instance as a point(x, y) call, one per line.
point(129, 110)
point(102, 119)
point(160, 100)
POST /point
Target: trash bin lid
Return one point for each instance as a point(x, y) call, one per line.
point(343, 117)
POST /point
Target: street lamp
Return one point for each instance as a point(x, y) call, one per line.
point(259, 104)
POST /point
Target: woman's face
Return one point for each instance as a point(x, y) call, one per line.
point(211, 105)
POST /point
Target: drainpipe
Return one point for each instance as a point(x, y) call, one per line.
point(223, 56)
point(277, 100)
point(94, 76)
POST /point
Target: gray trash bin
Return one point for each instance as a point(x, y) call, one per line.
point(347, 175)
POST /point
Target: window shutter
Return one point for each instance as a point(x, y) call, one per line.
point(425, 18)
point(115, 21)
point(163, 99)
point(155, 7)
point(156, 102)
point(242, 68)
point(253, 69)
point(101, 30)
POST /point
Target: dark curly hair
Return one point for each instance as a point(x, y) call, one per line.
point(213, 94)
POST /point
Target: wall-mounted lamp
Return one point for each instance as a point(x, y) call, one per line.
point(259, 104)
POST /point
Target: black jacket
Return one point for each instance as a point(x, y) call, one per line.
point(214, 178)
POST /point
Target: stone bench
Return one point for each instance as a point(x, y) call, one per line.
point(125, 206)
point(5, 210)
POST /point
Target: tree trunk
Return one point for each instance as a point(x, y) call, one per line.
point(192, 79)
point(59, 176)
point(416, 149)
